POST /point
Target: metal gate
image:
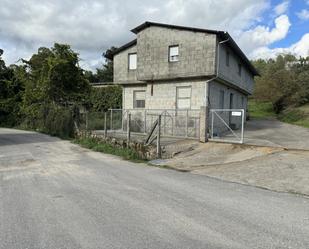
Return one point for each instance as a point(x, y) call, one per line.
point(227, 125)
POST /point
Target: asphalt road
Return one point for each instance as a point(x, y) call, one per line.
point(57, 195)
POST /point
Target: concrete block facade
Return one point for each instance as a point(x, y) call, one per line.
point(122, 74)
point(162, 95)
point(196, 54)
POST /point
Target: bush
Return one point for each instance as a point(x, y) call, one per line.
point(100, 145)
point(59, 122)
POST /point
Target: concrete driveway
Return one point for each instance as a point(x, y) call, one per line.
point(57, 195)
point(271, 132)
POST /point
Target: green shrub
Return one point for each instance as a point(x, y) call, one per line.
point(99, 145)
point(59, 122)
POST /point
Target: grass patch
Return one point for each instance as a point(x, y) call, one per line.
point(101, 146)
point(260, 110)
point(293, 115)
point(296, 116)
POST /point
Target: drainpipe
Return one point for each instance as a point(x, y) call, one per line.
point(207, 102)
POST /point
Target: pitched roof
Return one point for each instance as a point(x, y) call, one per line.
point(123, 47)
point(223, 35)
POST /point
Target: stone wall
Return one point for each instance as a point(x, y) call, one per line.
point(145, 152)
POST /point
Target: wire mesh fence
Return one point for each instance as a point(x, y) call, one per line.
point(174, 123)
point(227, 125)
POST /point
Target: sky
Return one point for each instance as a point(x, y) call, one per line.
point(262, 28)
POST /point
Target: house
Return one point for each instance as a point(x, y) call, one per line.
point(182, 68)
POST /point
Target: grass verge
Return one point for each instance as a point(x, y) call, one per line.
point(293, 115)
point(98, 145)
point(259, 110)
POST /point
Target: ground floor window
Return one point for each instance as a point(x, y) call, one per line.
point(183, 95)
point(139, 98)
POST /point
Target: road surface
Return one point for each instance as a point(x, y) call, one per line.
point(55, 194)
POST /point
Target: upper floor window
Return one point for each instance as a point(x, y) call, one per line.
point(227, 58)
point(139, 98)
point(132, 61)
point(173, 53)
point(239, 69)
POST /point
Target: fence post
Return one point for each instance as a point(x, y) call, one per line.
point(242, 125)
point(159, 138)
point(87, 120)
point(212, 124)
point(111, 126)
point(128, 129)
point(204, 121)
point(145, 121)
point(105, 124)
point(187, 122)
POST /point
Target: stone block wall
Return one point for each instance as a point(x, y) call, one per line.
point(196, 53)
point(162, 95)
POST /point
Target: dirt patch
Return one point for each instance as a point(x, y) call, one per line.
point(208, 154)
point(272, 168)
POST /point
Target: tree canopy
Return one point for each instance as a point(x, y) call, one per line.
point(284, 81)
point(43, 92)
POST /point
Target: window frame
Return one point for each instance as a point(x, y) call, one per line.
point(134, 99)
point(179, 98)
point(130, 54)
point(169, 53)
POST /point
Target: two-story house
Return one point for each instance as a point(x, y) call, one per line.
point(176, 67)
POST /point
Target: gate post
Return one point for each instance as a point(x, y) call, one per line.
point(204, 123)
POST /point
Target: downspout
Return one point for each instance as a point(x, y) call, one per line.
point(207, 89)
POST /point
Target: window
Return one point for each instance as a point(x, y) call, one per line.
point(173, 53)
point(132, 61)
point(239, 69)
point(139, 99)
point(227, 58)
point(183, 97)
point(221, 100)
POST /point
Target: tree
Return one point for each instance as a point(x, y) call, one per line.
point(284, 81)
point(11, 92)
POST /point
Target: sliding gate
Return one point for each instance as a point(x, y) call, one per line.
point(227, 125)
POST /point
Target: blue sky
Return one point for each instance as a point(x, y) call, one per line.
point(262, 28)
point(299, 27)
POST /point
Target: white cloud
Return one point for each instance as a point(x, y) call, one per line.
point(303, 14)
point(300, 48)
point(263, 36)
point(93, 26)
point(282, 8)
